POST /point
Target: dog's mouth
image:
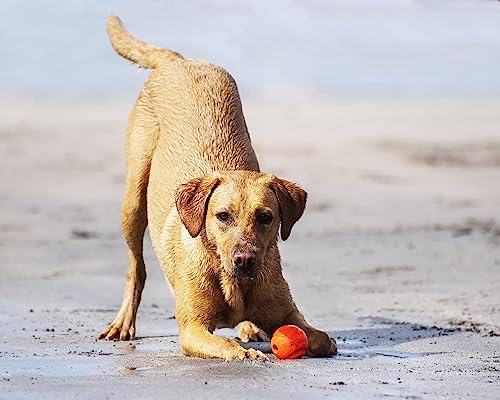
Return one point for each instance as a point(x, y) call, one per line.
point(240, 272)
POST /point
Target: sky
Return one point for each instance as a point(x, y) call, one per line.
point(339, 47)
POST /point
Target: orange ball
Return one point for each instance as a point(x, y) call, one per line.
point(289, 342)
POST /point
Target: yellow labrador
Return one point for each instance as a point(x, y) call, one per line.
point(214, 218)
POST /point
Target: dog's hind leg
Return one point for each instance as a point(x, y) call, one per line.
point(142, 137)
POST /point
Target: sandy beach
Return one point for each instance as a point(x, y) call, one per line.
point(387, 112)
point(397, 255)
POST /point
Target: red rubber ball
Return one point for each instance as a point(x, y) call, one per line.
point(289, 342)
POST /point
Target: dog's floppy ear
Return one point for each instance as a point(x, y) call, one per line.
point(292, 201)
point(191, 200)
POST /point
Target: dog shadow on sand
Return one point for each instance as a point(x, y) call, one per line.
point(383, 339)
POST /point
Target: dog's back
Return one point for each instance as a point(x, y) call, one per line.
point(197, 111)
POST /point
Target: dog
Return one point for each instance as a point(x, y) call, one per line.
point(194, 179)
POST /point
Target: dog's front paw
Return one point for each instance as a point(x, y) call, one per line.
point(251, 354)
point(249, 332)
point(321, 345)
point(239, 354)
point(122, 328)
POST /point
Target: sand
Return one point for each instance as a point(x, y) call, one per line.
point(397, 255)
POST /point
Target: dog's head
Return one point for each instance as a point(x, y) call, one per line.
point(239, 213)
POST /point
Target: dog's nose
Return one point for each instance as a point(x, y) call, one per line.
point(244, 259)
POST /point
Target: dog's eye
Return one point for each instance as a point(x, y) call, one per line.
point(264, 218)
point(223, 216)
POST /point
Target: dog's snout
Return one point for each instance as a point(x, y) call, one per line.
point(244, 260)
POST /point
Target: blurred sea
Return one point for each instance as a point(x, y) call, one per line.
point(341, 47)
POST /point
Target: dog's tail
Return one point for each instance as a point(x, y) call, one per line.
point(136, 50)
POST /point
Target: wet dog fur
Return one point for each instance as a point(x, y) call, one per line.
point(213, 217)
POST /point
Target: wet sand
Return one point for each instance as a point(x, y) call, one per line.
point(397, 255)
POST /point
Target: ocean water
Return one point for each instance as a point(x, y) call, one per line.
point(337, 47)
